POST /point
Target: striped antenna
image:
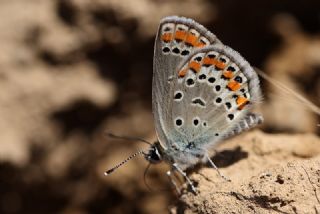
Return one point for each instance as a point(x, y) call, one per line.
point(108, 172)
point(127, 138)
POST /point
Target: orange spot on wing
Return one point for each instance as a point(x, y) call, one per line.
point(227, 74)
point(241, 102)
point(166, 37)
point(233, 85)
point(191, 39)
point(220, 65)
point(183, 72)
point(200, 44)
point(195, 66)
point(209, 61)
point(180, 35)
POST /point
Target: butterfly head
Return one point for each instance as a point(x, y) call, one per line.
point(154, 155)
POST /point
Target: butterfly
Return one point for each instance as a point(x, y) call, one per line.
point(202, 92)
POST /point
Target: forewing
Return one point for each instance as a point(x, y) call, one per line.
point(176, 39)
point(214, 91)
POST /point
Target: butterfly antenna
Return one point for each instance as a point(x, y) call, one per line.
point(108, 172)
point(145, 177)
point(127, 138)
point(281, 86)
point(146, 183)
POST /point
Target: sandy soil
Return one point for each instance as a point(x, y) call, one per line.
point(269, 174)
point(70, 72)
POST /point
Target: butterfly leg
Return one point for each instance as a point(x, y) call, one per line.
point(173, 182)
point(216, 168)
point(176, 167)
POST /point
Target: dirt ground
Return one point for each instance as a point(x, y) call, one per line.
point(268, 173)
point(72, 70)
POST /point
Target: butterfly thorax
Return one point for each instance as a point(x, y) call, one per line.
point(184, 156)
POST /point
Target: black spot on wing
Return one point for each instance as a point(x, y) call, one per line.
point(199, 101)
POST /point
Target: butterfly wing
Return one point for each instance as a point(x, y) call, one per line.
point(176, 39)
point(214, 92)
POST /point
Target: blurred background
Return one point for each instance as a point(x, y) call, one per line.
point(71, 70)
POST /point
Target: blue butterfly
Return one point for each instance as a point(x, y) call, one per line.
point(202, 93)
